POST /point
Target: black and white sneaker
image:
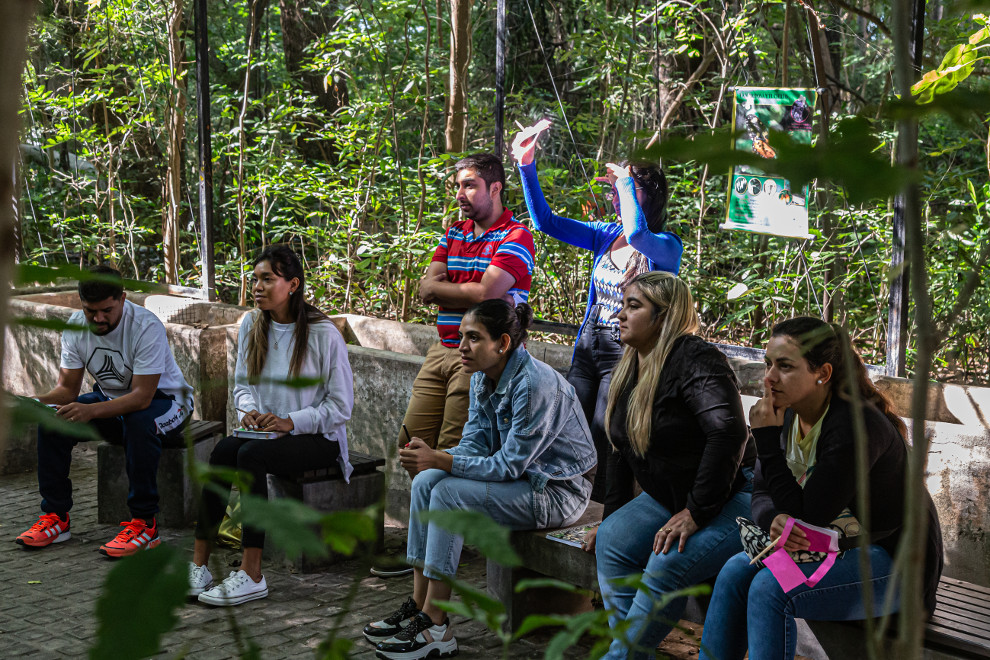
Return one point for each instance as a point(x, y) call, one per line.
point(379, 631)
point(391, 572)
point(420, 639)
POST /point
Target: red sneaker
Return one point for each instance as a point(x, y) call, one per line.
point(49, 529)
point(135, 536)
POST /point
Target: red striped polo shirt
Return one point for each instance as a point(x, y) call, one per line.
point(507, 245)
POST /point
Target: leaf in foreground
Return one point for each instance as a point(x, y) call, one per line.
point(475, 604)
point(290, 524)
point(478, 530)
point(138, 604)
point(25, 411)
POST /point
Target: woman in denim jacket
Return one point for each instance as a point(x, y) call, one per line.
point(524, 459)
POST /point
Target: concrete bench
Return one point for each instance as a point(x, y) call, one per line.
point(20, 452)
point(542, 557)
point(177, 491)
point(326, 491)
point(960, 627)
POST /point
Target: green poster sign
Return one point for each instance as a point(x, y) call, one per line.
point(760, 203)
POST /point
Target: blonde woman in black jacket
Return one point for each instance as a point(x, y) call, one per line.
point(676, 422)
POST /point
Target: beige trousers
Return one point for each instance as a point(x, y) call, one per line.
point(438, 407)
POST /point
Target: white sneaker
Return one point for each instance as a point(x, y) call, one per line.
point(237, 588)
point(200, 579)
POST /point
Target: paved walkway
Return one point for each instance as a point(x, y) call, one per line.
point(54, 618)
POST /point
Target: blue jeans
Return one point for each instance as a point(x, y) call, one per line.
point(624, 547)
point(748, 605)
point(137, 431)
point(513, 504)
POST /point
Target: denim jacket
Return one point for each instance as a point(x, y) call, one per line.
point(530, 425)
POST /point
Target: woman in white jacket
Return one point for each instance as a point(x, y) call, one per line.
point(292, 377)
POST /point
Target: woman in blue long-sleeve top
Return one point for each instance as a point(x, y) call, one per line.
point(622, 250)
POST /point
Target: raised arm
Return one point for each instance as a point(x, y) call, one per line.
point(570, 231)
point(663, 249)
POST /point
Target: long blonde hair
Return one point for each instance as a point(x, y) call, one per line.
point(675, 317)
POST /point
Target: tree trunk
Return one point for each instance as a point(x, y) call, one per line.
point(241, 148)
point(460, 55)
point(175, 120)
point(15, 19)
point(911, 551)
point(302, 24)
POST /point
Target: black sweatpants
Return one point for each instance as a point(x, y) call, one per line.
point(290, 454)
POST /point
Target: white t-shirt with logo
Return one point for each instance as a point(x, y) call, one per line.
point(136, 347)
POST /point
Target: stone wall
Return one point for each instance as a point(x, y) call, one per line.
point(198, 343)
point(386, 355)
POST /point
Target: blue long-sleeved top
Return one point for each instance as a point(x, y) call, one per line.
point(529, 425)
point(663, 251)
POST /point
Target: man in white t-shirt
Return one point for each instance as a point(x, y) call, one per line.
point(140, 400)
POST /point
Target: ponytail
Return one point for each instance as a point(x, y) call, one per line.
point(501, 318)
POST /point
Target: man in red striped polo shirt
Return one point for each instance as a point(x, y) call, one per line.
point(485, 255)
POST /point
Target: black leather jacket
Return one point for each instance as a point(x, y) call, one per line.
point(831, 487)
point(699, 441)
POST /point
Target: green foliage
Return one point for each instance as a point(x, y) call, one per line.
point(957, 65)
point(288, 520)
point(334, 649)
point(138, 603)
point(33, 274)
point(360, 191)
point(850, 159)
point(478, 605)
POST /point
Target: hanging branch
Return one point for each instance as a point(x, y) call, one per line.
point(682, 92)
point(111, 210)
point(911, 552)
point(862, 13)
point(785, 46)
point(626, 77)
point(421, 207)
point(15, 19)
